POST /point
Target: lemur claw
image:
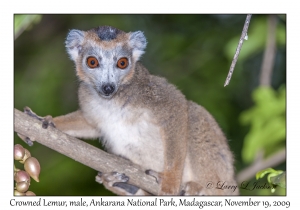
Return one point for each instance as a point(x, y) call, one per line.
point(154, 174)
point(48, 120)
point(26, 139)
point(98, 178)
point(127, 187)
point(182, 193)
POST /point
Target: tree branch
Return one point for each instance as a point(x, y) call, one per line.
point(238, 49)
point(258, 165)
point(82, 152)
point(269, 54)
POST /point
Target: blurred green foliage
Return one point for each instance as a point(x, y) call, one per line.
point(23, 22)
point(267, 119)
point(194, 52)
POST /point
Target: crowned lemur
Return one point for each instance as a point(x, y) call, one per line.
point(143, 118)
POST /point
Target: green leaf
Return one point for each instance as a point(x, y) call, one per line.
point(262, 173)
point(279, 179)
point(275, 177)
point(267, 122)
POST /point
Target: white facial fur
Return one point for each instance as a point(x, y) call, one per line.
point(107, 72)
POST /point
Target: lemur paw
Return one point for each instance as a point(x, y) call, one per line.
point(46, 121)
point(111, 178)
point(117, 182)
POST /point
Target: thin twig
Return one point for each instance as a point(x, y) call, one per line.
point(269, 54)
point(238, 49)
point(272, 161)
point(82, 152)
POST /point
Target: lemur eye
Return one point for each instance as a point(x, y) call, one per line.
point(122, 63)
point(92, 62)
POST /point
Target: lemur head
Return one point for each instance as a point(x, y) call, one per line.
point(105, 57)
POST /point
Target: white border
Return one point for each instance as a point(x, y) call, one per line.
point(6, 38)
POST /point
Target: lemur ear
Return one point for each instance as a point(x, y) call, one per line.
point(138, 42)
point(74, 43)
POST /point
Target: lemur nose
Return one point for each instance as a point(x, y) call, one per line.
point(108, 89)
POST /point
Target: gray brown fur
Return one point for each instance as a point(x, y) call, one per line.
point(146, 119)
